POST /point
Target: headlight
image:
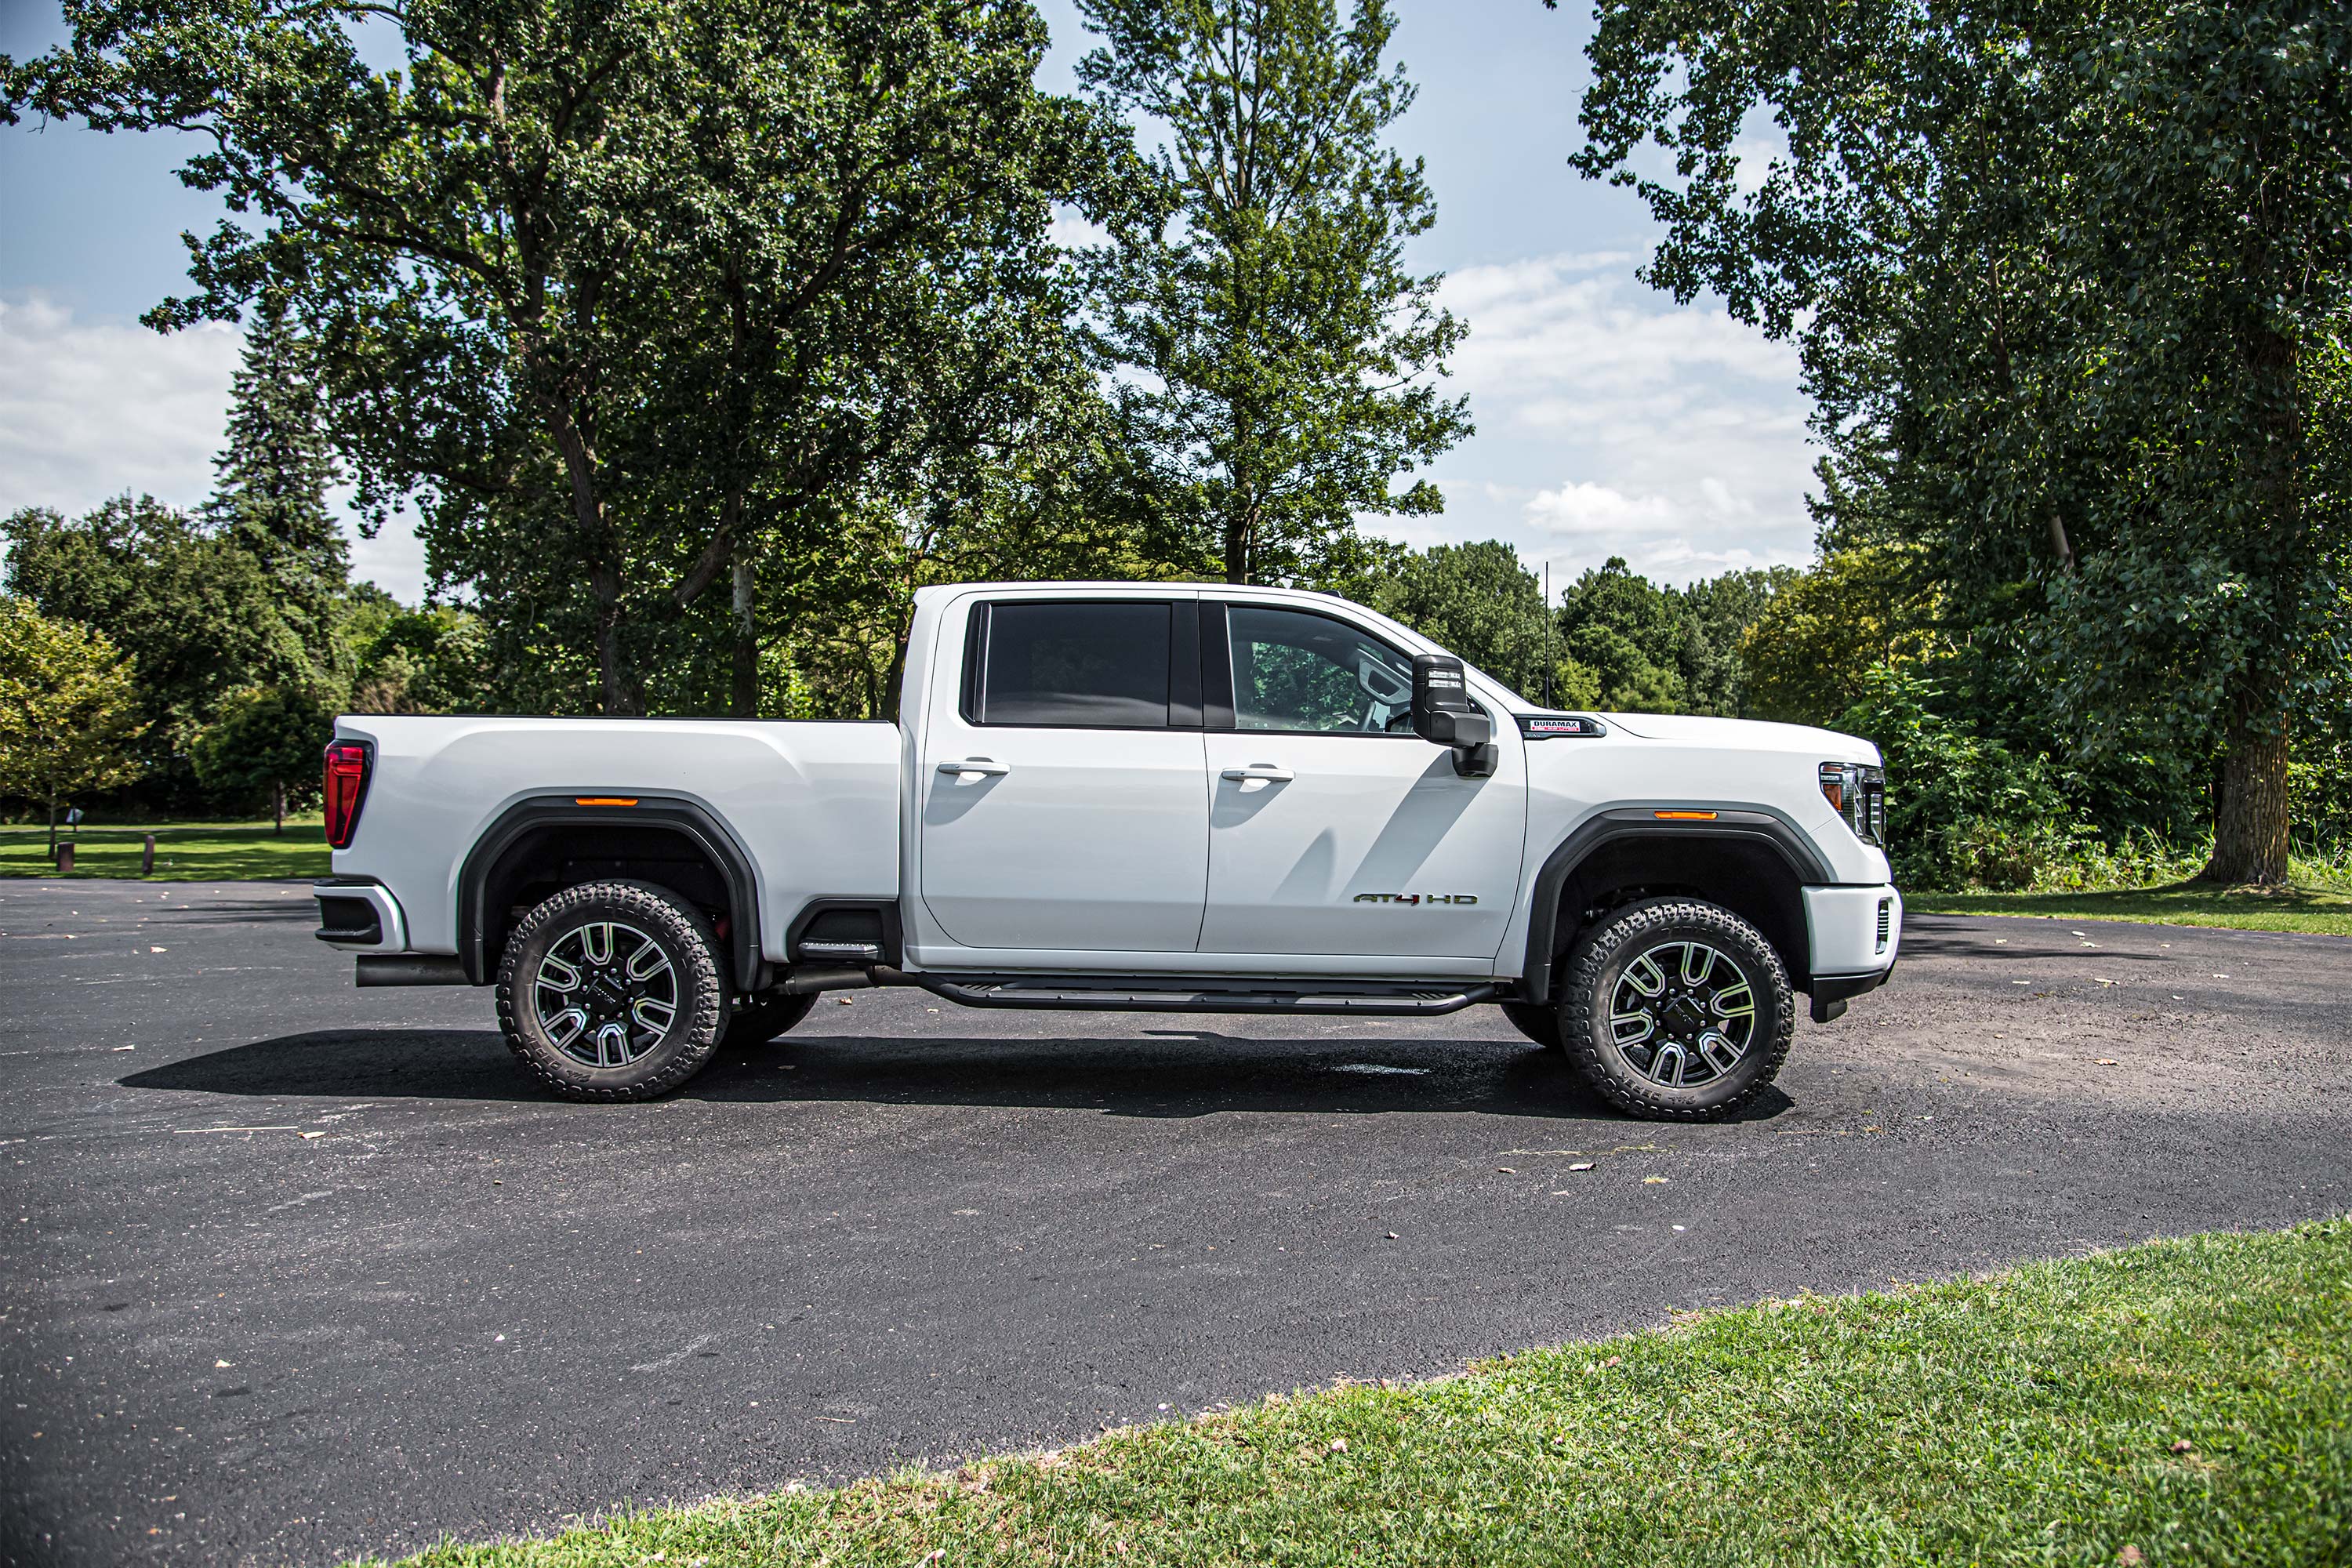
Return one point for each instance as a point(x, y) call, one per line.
point(1857, 791)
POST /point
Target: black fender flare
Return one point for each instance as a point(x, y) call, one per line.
point(1803, 860)
point(671, 813)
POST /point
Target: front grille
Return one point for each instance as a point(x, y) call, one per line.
point(1874, 811)
point(1885, 921)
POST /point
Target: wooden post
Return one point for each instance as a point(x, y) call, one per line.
point(147, 857)
point(65, 858)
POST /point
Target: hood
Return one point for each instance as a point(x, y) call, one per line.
point(1745, 734)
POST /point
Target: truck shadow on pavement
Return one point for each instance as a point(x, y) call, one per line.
point(1171, 1074)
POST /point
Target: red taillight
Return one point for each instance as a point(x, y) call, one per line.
point(347, 781)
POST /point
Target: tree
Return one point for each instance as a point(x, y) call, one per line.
point(1615, 623)
point(2061, 274)
point(1478, 601)
point(195, 612)
point(1719, 613)
point(267, 738)
point(610, 287)
point(270, 498)
point(1279, 358)
point(68, 716)
point(1810, 653)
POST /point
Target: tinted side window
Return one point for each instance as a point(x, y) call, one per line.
point(1076, 664)
point(1298, 672)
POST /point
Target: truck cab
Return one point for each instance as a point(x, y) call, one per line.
point(1119, 795)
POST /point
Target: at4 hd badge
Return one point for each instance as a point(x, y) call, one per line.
point(1416, 897)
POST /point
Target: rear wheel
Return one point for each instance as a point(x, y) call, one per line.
point(613, 991)
point(764, 1018)
point(1538, 1021)
point(1676, 1010)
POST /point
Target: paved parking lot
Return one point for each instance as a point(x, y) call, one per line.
point(295, 1272)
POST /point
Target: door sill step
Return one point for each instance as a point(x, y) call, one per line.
point(1139, 994)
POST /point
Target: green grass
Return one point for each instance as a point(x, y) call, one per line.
point(2311, 904)
point(184, 851)
point(2190, 1400)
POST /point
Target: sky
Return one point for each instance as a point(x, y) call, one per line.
point(1610, 421)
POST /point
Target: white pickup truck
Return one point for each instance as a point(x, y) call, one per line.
point(1135, 796)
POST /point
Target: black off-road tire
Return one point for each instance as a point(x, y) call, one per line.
point(684, 938)
point(1599, 959)
point(1538, 1021)
point(764, 1018)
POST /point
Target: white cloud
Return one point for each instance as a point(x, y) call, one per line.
point(1613, 422)
point(90, 408)
point(1588, 508)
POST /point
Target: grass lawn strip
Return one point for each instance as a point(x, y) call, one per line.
point(2311, 906)
point(2190, 1400)
point(184, 851)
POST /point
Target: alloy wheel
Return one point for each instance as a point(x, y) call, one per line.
point(605, 993)
point(1682, 1014)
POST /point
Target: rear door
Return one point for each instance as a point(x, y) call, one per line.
point(1064, 803)
point(1333, 828)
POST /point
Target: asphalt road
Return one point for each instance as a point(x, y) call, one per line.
point(295, 1272)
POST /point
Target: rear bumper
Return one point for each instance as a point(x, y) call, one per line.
point(358, 916)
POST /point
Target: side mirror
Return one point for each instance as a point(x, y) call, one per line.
point(1443, 715)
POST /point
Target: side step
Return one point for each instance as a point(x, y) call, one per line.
point(1138, 994)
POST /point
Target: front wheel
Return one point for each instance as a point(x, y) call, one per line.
point(1676, 1010)
point(613, 991)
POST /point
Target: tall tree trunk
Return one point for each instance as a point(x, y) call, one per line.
point(2250, 811)
point(1237, 544)
point(277, 805)
point(53, 824)
point(744, 695)
point(598, 549)
point(2249, 823)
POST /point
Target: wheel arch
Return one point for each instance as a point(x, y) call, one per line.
point(550, 842)
point(1752, 863)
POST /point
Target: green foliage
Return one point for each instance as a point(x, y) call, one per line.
point(1617, 624)
point(624, 296)
point(1810, 651)
point(270, 496)
point(1712, 650)
point(1479, 602)
point(421, 661)
point(2068, 281)
point(197, 614)
point(68, 715)
point(266, 741)
point(1280, 356)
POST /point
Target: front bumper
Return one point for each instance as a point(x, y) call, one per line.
point(358, 916)
point(1854, 935)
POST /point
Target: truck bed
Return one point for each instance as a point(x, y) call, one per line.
point(815, 805)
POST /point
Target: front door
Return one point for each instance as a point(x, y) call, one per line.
point(1063, 804)
point(1333, 829)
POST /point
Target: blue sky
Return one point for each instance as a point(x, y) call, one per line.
point(1610, 421)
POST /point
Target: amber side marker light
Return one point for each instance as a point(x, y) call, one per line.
point(603, 800)
point(1685, 816)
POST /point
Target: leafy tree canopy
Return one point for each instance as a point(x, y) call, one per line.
point(69, 718)
point(267, 741)
point(195, 612)
point(1280, 360)
point(2062, 275)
